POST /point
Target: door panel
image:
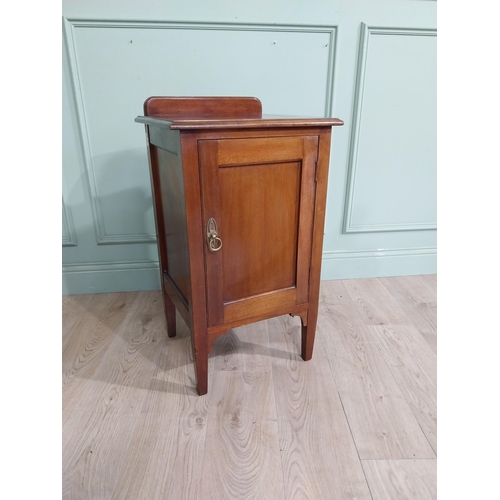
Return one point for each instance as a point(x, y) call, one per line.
point(260, 150)
point(260, 304)
point(260, 218)
point(261, 194)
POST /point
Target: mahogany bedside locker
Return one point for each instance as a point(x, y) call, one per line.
point(240, 207)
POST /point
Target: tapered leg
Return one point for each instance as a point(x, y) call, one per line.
point(308, 333)
point(200, 355)
point(170, 315)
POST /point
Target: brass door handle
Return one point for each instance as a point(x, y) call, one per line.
point(213, 240)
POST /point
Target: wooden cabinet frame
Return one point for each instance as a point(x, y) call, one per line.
point(263, 181)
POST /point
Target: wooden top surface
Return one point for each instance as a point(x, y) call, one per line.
point(266, 121)
point(206, 113)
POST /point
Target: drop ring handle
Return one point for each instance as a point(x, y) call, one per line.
point(213, 240)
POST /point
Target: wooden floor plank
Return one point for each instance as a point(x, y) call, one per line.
point(74, 308)
point(165, 456)
point(416, 300)
point(413, 288)
point(123, 376)
point(88, 344)
point(147, 458)
point(272, 426)
point(374, 303)
point(431, 340)
point(242, 458)
point(243, 349)
point(401, 479)
point(413, 365)
point(431, 281)
point(317, 450)
point(94, 446)
point(382, 424)
point(92, 334)
point(104, 411)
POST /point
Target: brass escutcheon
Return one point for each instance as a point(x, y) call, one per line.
point(213, 240)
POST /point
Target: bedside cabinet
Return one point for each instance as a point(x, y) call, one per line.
point(239, 205)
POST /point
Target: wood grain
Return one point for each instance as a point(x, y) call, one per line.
point(261, 150)
point(382, 424)
point(431, 281)
point(259, 226)
point(174, 231)
point(194, 220)
point(119, 382)
point(242, 458)
point(412, 289)
point(374, 303)
point(268, 304)
point(413, 365)
point(308, 333)
point(418, 302)
point(73, 308)
point(92, 332)
point(317, 450)
point(94, 446)
point(88, 342)
point(401, 479)
point(135, 427)
point(262, 181)
point(280, 310)
point(431, 340)
point(203, 107)
point(248, 124)
point(98, 431)
point(309, 201)
point(165, 455)
point(210, 203)
point(245, 348)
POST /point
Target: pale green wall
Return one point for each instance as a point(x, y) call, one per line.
point(371, 63)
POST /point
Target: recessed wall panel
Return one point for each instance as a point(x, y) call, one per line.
point(120, 65)
point(392, 178)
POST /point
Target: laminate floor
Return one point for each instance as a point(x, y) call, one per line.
point(357, 422)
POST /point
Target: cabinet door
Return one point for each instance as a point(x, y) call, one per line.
point(258, 195)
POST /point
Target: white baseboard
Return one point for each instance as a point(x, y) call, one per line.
point(378, 263)
point(110, 277)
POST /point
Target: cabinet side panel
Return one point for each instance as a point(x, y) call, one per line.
point(174, 219)
point(259, 227)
